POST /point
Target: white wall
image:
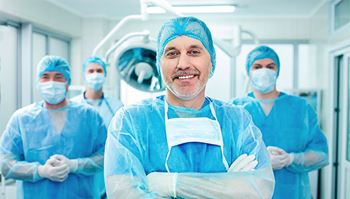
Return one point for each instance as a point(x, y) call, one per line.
point(324, 41)
point(42, 14)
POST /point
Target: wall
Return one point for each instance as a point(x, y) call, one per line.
point(42, 14)
point(325, 40)
point(92, 31)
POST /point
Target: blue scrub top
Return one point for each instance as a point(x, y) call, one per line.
point(293, 126)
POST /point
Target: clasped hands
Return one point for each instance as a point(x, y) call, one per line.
point(57, 168)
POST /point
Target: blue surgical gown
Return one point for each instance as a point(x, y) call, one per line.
point(293, 126)
point(30, 138)
point(106, 107)
point(137, 145)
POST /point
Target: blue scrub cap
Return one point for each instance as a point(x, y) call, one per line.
point(96, 60)
point(262, 52)
point(186, 26)
point(51, 63)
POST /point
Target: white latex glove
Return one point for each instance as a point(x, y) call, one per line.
point(71, 163)
point(162, 183)
point(52, 171)
point(279, 158)
point(243, 163)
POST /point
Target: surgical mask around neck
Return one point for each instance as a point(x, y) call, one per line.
point(263, 80)
point(95, 81)
point(197, 129)
point(53, 92)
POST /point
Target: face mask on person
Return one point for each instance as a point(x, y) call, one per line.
point(53, 92)
point(95, 81)
point(263, 80)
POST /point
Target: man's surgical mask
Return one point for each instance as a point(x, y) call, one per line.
point(53, 92)
point(263, 80)
point(95, 80)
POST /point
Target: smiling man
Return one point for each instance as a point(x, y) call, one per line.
point(185, 144)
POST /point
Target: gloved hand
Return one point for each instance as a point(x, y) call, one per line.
point(71, 163)
point(243, 163)
point(279, 158)
point(52, 171)
point(162, 183)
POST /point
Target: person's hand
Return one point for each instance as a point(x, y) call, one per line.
point(71, 163)
point(162, 183)
point(53, 171)
point(243, 163)
point(279, 158)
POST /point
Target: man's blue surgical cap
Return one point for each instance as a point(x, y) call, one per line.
point(51, 63)
point(96, 60)
point(262, 52)
point(186, 26)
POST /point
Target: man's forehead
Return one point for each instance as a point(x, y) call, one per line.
point(94, 65)
point(184, 41)
point(53, 73)
point(264, 61)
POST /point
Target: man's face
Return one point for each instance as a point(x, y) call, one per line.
point(94, 68)
point(185, 66)
point(52, 76)
point(264, 63)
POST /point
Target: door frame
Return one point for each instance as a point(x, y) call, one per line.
point(337, 143)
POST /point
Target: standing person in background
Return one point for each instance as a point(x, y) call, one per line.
point(288, 124)
point(53, 148)
point(95, 73)
point(185, 144)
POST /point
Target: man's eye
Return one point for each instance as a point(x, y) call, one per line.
point(171, 54)
point(194, 52)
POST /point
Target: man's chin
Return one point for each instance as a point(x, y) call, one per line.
point(186, 96)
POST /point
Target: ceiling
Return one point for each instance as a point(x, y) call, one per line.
point(117, 9)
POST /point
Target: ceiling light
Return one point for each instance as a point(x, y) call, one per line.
point(195, 9)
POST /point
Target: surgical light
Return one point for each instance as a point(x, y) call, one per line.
point(135, 59)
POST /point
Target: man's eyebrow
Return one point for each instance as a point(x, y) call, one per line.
point(169, 48)
point(196, 46)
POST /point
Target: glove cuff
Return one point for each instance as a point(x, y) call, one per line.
point(74, 163)
point(291, 158)
point(36, 175)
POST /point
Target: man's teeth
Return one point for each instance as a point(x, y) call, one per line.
point(186, 77)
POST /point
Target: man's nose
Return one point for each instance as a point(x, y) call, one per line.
point(184, 61)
